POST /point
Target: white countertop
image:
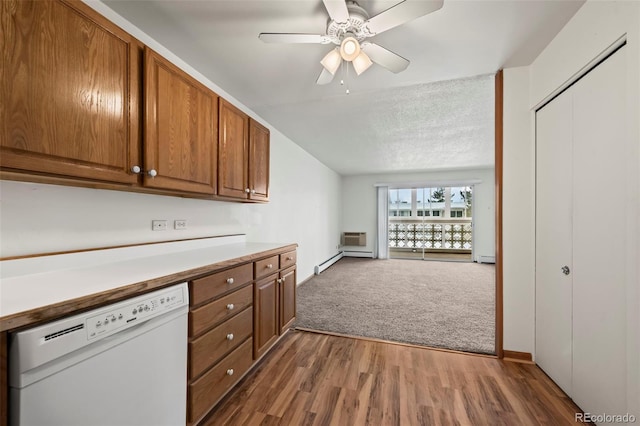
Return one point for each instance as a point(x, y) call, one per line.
point(35, 285)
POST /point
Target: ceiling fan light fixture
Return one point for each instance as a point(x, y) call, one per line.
point(331, 61)
point(361, 63)
point(349, 48)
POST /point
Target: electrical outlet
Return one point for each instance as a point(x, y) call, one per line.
point(180, 224)
point(159, 225)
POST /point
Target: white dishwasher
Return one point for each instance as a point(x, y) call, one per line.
point(120, 365)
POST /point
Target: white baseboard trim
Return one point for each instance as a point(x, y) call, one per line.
point(324, 265)
point(358, 253)
point(486, 259)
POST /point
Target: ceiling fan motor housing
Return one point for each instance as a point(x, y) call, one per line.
point(354, 26)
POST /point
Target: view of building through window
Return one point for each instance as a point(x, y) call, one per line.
point(431, 220)
point(444, 202)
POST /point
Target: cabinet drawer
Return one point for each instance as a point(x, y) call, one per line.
point(209, 388)
point(287, 259)
point(213, 285)
point(267, 266)
point(219, 310)
point(209, 348)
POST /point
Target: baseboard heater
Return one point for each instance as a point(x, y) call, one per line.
point(358, 253)
point(324, 265)
point(486, 259)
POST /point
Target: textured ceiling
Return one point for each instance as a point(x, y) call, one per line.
point(429, 126)
point(430, 116)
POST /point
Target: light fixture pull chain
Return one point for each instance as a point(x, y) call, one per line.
point(347, 65)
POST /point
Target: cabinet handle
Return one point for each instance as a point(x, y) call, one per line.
point(289, 258)
point(230, 336)
point(230, 372)
point(230, 306)
point(136, 169)
point(247, 190)
point(269, 266)
point(279, 281)
point(253, 191)
point(565, 270)
point(284, 279)
point(152, 173)
point(229, 280)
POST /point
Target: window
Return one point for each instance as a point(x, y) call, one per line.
point(456, 213)
point(436, 212)
point(400, 202)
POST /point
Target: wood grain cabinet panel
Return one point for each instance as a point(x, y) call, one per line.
point(258, 161)
point(266, 266)
point(69, 92)
point(213, 313)
point(243, 155)
point(211, 346)
point(232, 151)
point(287, 294)
point(180, 125)
point(206, 288)
point(208, 389)
point(265, 307)
point(288, 259)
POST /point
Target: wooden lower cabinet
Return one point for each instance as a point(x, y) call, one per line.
point(220, 336)
point(237, 314)
point(287, 292)
point(211, 346)
point(274, 308)
point(204, 392)
point(266, 313)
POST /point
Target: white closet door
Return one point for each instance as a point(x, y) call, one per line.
point(601, 202)
point(553, 239)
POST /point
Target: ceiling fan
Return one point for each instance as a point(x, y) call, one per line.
point(349, 25)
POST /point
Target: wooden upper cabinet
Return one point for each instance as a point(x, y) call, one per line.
point(233, 150)
point(181, 129)
point(69, 92)
point(258, 161)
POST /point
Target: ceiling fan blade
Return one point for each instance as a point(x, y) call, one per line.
point(401, 13)
point(294, 38)
point(325, 77)
point(386, 58)
point(337, 10)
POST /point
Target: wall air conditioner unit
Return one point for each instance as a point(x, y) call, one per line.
point(354, 239)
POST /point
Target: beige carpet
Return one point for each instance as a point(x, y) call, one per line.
point(440, 304)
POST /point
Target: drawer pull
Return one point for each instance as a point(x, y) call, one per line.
point(230, 372)
point(230, 306)
point(280, 281)
point(269, 266)
point(229, 280)
point(289, 258)
point(230, 336)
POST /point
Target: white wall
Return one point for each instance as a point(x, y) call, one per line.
point(359, 203)
point(518, 214)
point(304, 207)
point(596, 26)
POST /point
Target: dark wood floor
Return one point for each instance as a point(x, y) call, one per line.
point(316, 379)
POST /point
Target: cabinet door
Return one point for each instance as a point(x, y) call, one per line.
point(180, 129)
point(265, 310)
point(69, 92)
point(287, 298)
point(258, 161)
point(232, 152)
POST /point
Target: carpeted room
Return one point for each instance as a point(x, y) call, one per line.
point(448, 305)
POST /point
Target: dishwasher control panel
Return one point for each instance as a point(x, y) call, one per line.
point(132, 312)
